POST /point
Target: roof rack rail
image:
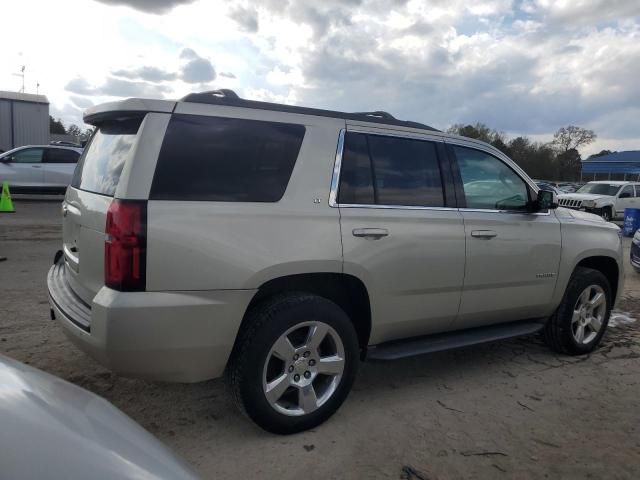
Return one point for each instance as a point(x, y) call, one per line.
point(220, 93)
point(377, 114)
point(230, 98)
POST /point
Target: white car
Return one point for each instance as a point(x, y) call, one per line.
point(605, 198)
point(39, 168)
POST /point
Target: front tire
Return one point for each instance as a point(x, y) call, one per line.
point(294, 363)
point(606, 214)
point(581, 319)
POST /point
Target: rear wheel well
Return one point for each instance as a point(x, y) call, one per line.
point(607, 266)
point(346, 291)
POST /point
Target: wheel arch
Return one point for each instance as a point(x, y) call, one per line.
point(606, 265)
point(347, 291)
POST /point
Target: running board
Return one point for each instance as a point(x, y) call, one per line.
point(446, 341)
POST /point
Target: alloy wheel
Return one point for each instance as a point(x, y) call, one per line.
point(588, 314)
point(303, 368)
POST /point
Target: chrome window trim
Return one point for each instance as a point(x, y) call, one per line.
point(337, 166)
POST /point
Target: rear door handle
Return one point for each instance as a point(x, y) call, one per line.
point(483, 234)
point(36, 166)
point(370, 233)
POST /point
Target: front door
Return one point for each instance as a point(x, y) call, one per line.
point(24, 168)
point(399, 234)
point(512, 255)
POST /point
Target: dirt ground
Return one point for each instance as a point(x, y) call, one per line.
point(506, 410)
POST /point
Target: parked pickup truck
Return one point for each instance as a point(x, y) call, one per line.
point(605, 198)
point(281, 245)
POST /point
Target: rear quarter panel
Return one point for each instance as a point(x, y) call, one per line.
point(203, 245)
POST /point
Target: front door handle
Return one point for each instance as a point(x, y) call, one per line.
point(370, 233)
point(36, 166)
point(483, 234)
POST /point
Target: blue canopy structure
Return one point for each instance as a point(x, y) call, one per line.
point(618, 162)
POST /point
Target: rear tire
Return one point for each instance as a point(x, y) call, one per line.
point(577, 326)
point(294, 363)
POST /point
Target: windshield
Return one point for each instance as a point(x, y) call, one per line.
point(600, 189)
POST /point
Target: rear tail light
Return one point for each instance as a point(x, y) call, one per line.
point(125, 246)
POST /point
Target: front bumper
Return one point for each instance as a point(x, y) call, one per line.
point(165, 336)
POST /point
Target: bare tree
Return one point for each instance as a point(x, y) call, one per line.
point(571, 137)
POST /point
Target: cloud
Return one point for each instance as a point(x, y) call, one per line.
point(157, 7)
point(150, 74)
point(79, 85)
point(197, 69)
point(115, 87)
point(81, 102)
point(246, 18)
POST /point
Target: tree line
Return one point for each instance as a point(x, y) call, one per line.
point(555, 160)
point(56, 126)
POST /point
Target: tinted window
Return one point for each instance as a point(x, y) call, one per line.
point(356, 181)
point(60, 155)
point(637, 190)
point(626, 192)
point(28, 155)
point(406, 172)
point(390, 171)
point(225, 159)
point(489, 183)
point(100, 166)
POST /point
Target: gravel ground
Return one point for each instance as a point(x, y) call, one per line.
point(506, 410)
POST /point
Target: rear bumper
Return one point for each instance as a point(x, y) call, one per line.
point(165, 336)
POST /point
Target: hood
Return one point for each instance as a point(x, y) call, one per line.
point(581, 196)
point(569, 215)
point(53, 429)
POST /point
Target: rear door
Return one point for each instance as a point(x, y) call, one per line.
point(24, 168)
point(401, 234)
point(58, 166)
point(512, 255)
point(87, 200)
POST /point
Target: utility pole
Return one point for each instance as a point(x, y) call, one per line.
point(22, 71)
point(37, 88)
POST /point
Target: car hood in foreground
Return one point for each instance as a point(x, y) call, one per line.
point(50, 428)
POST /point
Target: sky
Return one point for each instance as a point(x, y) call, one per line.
point(524, 67)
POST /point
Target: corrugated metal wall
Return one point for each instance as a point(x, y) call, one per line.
point(5, 125)
point(30, 124)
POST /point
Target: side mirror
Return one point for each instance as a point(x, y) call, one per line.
point(625, 195)
point(546, 200)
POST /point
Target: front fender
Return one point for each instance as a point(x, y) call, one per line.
point(582, 240)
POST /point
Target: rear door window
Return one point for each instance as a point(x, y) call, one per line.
point(60, 155)
point(225, 159)
point(389, 171)
point(101, 165)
